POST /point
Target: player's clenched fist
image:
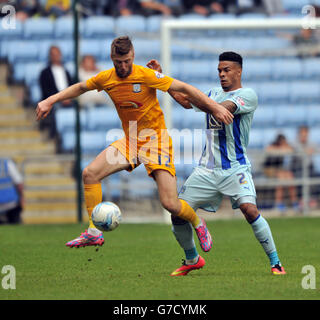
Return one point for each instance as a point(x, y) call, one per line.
point(43, 109)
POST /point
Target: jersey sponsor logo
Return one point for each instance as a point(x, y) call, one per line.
point(136, 87)
point(159, 75)
point(130, 105)
point(214, 123)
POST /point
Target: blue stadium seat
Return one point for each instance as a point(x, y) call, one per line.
point(153, 23)
point(23, 51)
point(271, 43)
point(316, 163)
point(91, 141)
point(313, 115)
point(273, 91)
point(304, 92)
point(311, 68)
point(195, 70)
point(256, 139)
point(286, 69)
point(66, 119)
point(264, 117)
point(102, 118)
point(146, 49)
point(130, 25)
point(92, 47)
point(99, 27)
point(66, 47)
point(10, 32)
point(294, 6)
point(35, 93)
point(63, 27)
point(257, 69)
point(32, 72)
point(38, 28)
point(290, 116)
point(19, 72)
point(237, 43)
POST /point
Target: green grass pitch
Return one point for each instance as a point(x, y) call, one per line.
point(136, 260)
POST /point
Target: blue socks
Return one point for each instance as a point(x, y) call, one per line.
point(263, 234)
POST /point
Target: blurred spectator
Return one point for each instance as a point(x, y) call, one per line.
point(124, 7)
point(273, 7)
point(27, 8)
point(277, 166)
point(11, 192)
point(204, 7)
point(303, 157)
point(96, 8)
point(54, 78)
point(153, 7)
point(88, 69)
point(243, 6)
point(57, 8)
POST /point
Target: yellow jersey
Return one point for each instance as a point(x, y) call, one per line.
point(135, 96)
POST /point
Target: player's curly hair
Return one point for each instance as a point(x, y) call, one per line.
point(121, 45)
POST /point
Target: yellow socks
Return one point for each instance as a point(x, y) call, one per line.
point(188, 214)
point(92, 196)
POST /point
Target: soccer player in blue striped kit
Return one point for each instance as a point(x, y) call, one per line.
point(224, 168)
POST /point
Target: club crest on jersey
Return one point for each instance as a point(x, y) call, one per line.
point(240, 100)
point(136, 87)
point(159, 75)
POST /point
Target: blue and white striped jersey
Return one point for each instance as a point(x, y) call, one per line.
point(226, 145)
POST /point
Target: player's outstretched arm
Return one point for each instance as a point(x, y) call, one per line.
point(44, 107)
point(204, 103)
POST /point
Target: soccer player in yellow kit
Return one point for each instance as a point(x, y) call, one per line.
point(132, 88)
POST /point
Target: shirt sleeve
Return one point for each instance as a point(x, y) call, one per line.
point(14, 173)
point(99, 81)
point(196, 109)
point(246, 101)
point(157, 80)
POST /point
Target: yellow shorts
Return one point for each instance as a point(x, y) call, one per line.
point(154, 152)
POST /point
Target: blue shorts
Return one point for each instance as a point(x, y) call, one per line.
point(205, 188)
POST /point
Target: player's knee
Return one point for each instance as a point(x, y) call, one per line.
point(170, 204)
point(250, 211)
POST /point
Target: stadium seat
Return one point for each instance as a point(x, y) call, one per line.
point(153, 23)
point(130, 25)
point(287, 69)
point(102, 118)
point(257, 69)
point(63, 27)
point(91, 142)
point(256, 139)
point(313, 115)
point(35, 93)
point(32, 72)
point(92, 47)
point(66, 119)
point(146, 49)
point(66, 47)
point(294, 6)
point(273, 91)
point(311, 68)
point(264, 117)
point(270, 44)
point(99, 27)
point(38, 28)
point(290, 116)
point(10, 32)
point(23, 51)
point(304, 92)
point(19, 72)
point(195, 70)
